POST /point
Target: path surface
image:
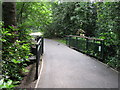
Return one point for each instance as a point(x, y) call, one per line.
point(64, 67)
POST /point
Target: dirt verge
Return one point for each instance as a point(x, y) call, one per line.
point(29, 79)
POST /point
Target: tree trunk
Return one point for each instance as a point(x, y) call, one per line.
point(9, 19)
point(9, 14)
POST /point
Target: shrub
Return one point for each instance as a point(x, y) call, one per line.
point(15, 54)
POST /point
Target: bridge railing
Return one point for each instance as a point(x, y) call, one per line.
point(39, 53)
point(91, 46)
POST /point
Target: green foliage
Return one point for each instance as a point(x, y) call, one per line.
point(34, 15)
point(8, 84)
point(14, 54)
point(107, 28)
point(23, 33)
point(85, 17)
point(68, 17)
point(61, 24)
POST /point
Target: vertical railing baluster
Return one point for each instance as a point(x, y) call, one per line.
point(36, 75)
point(102, 50)
point(66, 40)
point(94, 47)
point(87, 45)
point(69, 41)
point(76, 45)
point(42, 45)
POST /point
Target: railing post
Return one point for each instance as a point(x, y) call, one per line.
point(102, 50)
point(76, 46)
point(42, 45)
point(36, 75)
point(94, 48)
point(66, 40)
point(69, 40)
point(87, 45)
point(39, 52)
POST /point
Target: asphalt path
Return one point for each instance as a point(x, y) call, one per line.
point(64, 67)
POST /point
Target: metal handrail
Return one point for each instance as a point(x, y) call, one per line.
point(39, 53)
point(86, 44)
point(85, 37)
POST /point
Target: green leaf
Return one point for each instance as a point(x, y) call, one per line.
point(1, 81)
point(16, 61)
point(9, 82)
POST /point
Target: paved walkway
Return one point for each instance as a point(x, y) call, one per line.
point(64, 67)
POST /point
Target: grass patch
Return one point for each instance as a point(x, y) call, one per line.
point(61, 40)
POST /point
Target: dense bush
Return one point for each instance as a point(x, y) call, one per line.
point(68, 17)
point(108, 29)
point(14, 54)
